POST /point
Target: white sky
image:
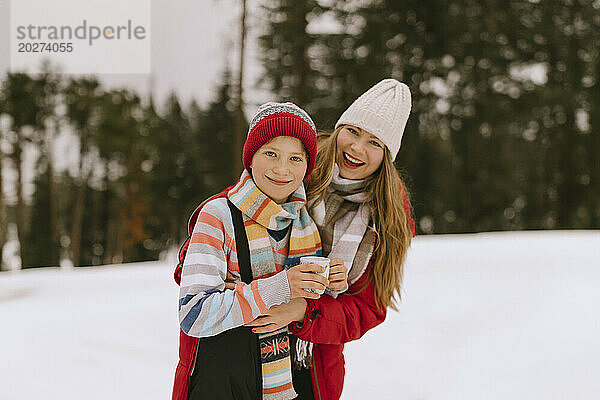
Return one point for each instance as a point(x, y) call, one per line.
point(192, 41)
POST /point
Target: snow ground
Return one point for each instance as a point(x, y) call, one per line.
point(485, 316)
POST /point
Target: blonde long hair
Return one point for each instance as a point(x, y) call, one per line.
point(385, 190)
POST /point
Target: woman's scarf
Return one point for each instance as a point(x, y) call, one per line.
point(343, 219)
point(259, 213)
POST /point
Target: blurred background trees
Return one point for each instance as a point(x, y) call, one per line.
point(503, 134)
point(136, 177)
point(504, 129)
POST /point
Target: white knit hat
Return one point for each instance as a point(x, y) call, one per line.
point(383, 111)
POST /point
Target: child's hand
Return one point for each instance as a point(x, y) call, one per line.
point(338, 274)
point(302, 277)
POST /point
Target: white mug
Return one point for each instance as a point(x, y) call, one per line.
point(323, 261)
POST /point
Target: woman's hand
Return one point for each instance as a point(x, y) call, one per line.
point(305, 276)
point(338, 274)
point(279, 316)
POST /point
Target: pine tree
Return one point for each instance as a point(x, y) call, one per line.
point(19, 102)
point(38, 251)
point(83, 105)
point(3, 222)
point(122, 145)
point(286, 44)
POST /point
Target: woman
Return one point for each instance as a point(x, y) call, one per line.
point(361, 208)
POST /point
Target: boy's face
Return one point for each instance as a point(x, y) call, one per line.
point(279, 166)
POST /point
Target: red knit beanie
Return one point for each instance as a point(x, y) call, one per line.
point(280, 119)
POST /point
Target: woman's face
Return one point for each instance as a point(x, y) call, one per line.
point(359, 153)
point(279, 166)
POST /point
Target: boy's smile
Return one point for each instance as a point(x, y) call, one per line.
point(278, 182)
point(279, 166)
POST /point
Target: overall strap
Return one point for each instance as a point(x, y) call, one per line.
point(241, 243)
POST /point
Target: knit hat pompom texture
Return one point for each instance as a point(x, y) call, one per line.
point(280, 119)
point(382, 111)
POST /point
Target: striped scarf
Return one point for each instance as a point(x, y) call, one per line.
point(260, 213)
point(343, 219)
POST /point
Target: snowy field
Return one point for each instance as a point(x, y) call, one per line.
point(487, 316)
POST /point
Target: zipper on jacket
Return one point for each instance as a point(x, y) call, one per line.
point(195, 356)
point(314, 369)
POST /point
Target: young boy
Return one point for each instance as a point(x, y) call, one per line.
point(230, 361)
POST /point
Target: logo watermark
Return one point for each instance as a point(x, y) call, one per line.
point(91, 37)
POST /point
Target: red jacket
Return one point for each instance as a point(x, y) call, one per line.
point(328, 323)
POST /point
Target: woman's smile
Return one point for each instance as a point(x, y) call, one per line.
point(352, 162)
point(359, 153)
